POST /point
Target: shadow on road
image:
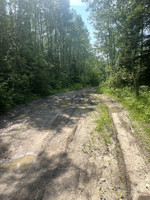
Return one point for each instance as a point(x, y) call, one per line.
point(46, 178)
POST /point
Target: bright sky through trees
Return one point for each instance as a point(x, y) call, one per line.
point(80, 8)
point(76, 3)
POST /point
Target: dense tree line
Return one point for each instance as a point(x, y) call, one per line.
point(123, 39)
point(43, 46)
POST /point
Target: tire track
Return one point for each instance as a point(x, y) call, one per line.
point(137, 172)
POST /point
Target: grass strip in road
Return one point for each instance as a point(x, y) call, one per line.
point(101, 137)
point(104, 123)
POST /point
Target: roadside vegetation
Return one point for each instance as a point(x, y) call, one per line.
point(138, 108)
point(123, 41)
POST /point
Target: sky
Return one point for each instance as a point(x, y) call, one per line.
point(80, 8)
point(76, 3)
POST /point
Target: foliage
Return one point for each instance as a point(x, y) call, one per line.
point(44, 47)
point(123, 39)
point(140, 106)
point(123, 42)
point(104, 123)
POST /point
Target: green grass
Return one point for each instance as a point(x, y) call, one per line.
point(139, 108)
point(102, 135)
point(104, 123)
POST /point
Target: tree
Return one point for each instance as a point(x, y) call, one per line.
point(122, 32)
point(43, 46)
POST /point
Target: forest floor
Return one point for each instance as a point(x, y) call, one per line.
point(50, 150)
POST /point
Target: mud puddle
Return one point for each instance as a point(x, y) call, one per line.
point(64, 104)
point(18, 165)
point(115, 110)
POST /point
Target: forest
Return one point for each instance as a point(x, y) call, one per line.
point(45, 46)
point(123, 39)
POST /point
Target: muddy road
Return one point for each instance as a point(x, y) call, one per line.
point(46, 152)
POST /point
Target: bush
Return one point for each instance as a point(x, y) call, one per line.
point(5, 99)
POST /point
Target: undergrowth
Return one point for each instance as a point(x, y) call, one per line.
point(139, 108)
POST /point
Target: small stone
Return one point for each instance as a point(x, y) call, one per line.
point(103, 180)
point(147, 186)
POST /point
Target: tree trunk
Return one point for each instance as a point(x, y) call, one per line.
point(135, 79)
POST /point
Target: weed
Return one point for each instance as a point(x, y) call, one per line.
point(85, 148)
point(119, 196)
point(101, 191)
point(101, 136)
point(104, 123)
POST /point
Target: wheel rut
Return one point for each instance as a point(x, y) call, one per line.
point(69, 160)
point(136, 168)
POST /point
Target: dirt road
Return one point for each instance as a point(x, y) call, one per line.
point(46, 153)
